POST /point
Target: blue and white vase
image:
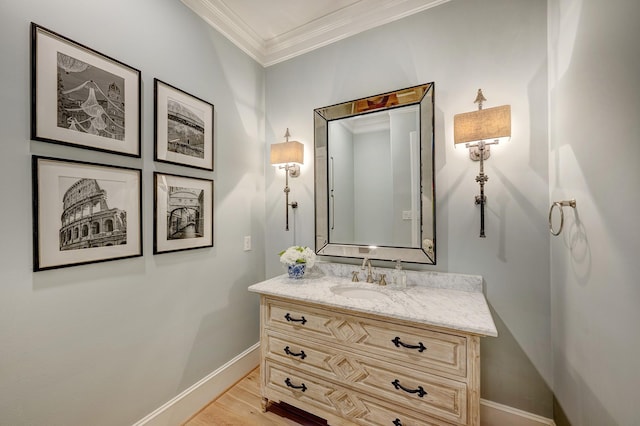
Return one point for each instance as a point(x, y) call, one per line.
point(296, 270)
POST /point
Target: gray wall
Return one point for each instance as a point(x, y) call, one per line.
point(108, 343)
point(593, 157)
point(499, 46)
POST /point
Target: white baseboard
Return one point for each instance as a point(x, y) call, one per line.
point(494, 414)
point(190, 401)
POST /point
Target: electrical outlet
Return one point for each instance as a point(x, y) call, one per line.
point(247, 243)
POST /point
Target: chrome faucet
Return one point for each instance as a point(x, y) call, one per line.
point(366, 262)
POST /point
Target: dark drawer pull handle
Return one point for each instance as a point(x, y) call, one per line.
point(397, 422)
point(302, 319)
point(288, 383)
point(420, 391)
point(420, 347)
point(302, 355)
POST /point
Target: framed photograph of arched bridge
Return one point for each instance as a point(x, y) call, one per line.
point(183, 127)
point(82, 98)
point(84, 213)
point(182, 214)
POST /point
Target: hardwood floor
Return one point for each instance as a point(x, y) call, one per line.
point(240, 406)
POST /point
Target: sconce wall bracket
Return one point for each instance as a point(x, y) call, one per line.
point(292, 170)
point(474, 150)
point(474, 153)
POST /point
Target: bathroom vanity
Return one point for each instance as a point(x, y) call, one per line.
point(359, 353)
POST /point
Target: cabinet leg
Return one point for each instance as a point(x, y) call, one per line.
point(264, 404)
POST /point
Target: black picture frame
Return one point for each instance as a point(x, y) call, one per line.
point(84, 212)
point(83, 98)
point(182, 213)
point(183, 127)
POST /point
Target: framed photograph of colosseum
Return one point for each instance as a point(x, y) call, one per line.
point(183, 127)
point(183, 213)
point(84, 213)
point(81, 97)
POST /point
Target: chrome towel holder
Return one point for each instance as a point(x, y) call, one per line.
point(560, 205)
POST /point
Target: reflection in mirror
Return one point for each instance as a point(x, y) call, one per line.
point(374, 177)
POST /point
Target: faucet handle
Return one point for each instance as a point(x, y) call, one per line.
point(354, 277)
point(382, 280)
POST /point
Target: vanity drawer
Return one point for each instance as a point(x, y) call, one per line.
point(416, 390)
point(298, 320)
point(379, 415)
point(328, 399)
point(392, 381)
point(439, 351)
point(320, 360)
point(320, 397)
point(404, 344)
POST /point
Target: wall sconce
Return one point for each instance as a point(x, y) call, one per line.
point(474, 129)
point(288, 156)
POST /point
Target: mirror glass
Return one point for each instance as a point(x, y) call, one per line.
point(374, 182)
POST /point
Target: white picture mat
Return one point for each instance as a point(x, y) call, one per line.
point(165, 92)
point(163, 182)
point(47, 47)
point(50, 209)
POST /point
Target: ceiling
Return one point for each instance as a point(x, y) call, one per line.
point(272, 31)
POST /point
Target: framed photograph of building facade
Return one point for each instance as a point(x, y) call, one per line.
point(81, 97)
point(183, 127)
point(183, 213)
point(84, 213)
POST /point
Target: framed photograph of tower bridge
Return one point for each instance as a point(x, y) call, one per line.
point(183, 213)
point(183, 127)
point(81, 97)
point(84, 213)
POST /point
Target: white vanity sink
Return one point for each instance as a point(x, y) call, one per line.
point(359, 293)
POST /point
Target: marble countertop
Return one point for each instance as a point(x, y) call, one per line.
point(438, 305)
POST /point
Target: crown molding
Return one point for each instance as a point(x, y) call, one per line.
point(227, 22)
point(328, 29)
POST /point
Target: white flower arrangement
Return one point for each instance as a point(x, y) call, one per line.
point(298, 254)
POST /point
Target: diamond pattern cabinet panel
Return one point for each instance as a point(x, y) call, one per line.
point(443, 396)
point(338, 405)
point(444, 352)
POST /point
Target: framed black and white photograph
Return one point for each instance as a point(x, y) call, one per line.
point(81, 97)
point(183, 127)
point(84, 213)
point(183, 213)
